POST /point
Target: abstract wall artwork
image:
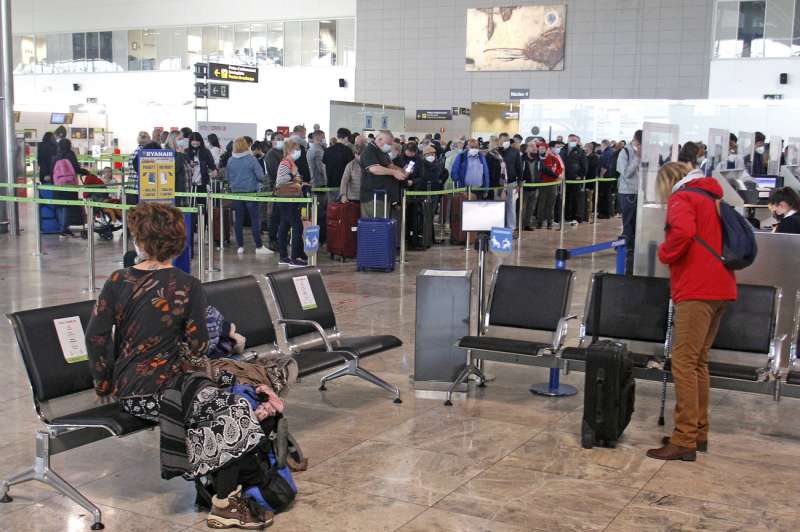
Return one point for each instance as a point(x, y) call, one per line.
point(516, 38)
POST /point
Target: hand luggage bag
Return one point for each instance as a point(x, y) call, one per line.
point(342, 220)
point(457, 236)
point(419, 231)
point(377, 240)
point(610, 388)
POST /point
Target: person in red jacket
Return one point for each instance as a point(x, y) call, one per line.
point(701, 289)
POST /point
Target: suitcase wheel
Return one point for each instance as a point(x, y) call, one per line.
point(84, 234)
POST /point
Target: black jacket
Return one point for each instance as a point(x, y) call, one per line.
point(431, 176)
point(45, 153)
point(302, 164)
point(576, 165)
point(790, 224)
point(206, 162)
point(273, 160)
point(494, 169)
point(534, 170)
point(513, 161)
point(335, 159)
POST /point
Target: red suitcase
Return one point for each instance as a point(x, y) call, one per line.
point(342, 224)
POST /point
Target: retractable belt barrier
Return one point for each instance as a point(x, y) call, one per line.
point(554, 388)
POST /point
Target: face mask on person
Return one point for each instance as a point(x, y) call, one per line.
point(571, 144)
point(296, 154)
point(268, 137)
point(183, 143)
point(506, 144)
point(542, 153)
point(392, 156)
point(430, 158)
point(195, 144)
point(279, 144)
point(731, 157)
point(473, 152)
point(387, 148)
point(760, 150)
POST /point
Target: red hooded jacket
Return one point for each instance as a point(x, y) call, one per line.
point(695, 273)
point(555, 165)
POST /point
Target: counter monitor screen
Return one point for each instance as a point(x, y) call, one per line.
point(766, 182)
point(61, 118)
point(483, 215)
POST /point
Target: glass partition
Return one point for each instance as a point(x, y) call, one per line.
point(717, 150)
point(745, 148)
point(659, 145)
point(293, 43)
point(775, 153)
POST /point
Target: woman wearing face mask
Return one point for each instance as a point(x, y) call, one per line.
point(433, 172)
point(288, 184)
point(785, 204)
point(200, 161)
point(214, 148)
point(270, 211)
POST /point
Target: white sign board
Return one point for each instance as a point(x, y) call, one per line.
point(227, 131)
point(304, 293)
point(72, 339)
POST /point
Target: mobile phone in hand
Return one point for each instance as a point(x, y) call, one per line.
point(409, 167)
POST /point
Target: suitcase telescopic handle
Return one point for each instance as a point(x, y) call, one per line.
point(375, 203)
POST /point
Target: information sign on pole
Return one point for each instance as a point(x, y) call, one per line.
point(434, 114)
point(157, 175)
point(223, 72)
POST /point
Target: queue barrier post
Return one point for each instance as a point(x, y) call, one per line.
point(210, 229)
point(403, 206)
point(37, 221)
point(561, 221)
point(90, 246)
point(312, 260)
point(201, 243)
point(521, 213)
point(218, 185)
point(469, 197)
point(554, 388)
point(124, 200)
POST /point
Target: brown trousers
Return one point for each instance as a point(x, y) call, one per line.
point(696, 326)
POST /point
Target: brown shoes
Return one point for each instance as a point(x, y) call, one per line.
point(235, 512)
point(702, 446)
point(673, 452)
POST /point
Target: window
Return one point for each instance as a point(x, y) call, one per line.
point(796, 34)
point(751, 28)
point(275, 43)
point(327, 42)
point(291, 43)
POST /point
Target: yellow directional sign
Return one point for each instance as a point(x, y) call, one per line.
point(225, 72)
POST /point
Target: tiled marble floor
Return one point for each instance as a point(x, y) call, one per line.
point(501, 460)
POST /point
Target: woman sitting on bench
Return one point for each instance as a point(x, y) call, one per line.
point(147, 341)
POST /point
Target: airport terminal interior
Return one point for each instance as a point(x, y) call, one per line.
point(413, 266)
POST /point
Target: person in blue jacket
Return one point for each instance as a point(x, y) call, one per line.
point(470, 168)
point(245, 175)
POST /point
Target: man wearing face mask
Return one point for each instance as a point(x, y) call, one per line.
point(379, 174)
point(299, 136)
point(532, 165)
point(734, 160)
point(576, 165)
point(271, 160)
point(759, 161)
point(785, 204)
point(470, 168)
point(513, 168)
point(319, 178)
point(628, 189)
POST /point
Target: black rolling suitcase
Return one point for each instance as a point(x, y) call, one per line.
point(419, 233)
point(609, 390)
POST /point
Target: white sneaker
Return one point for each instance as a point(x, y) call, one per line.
point(573, 222)
point(240, 251)
point(264, 250)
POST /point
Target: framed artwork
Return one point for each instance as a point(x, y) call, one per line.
point(528, 37)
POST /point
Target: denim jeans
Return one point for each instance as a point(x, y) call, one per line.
point(290, 218)
point(511, 205)
point(627, 205)
point(62, 213)
point(240, 208)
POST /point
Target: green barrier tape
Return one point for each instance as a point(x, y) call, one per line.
point(78, 203)
point(261, 199)
point(484, 189)
point(15, 185)
point(435, 192)
point(538, 185)
point(325, 189)
point(606, 179)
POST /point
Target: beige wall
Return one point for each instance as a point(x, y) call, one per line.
point(487, 118)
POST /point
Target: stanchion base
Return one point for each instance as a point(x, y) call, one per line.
point(563, 390)
point(89, 290)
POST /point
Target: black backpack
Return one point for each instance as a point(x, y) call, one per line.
point(739, 247)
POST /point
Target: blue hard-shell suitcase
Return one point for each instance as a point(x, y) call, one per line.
point(377, 242)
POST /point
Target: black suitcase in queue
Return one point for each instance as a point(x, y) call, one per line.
point(609, 388)
point(419, 231)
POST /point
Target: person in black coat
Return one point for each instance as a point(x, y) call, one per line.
point(64, 151)
point(785, 204)
point(200, 161)
point(576, 166)
point(337, 157)
point(45, 153)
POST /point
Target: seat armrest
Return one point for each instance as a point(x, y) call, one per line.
point(317, 326)
point(776, 348)
point(561, 331)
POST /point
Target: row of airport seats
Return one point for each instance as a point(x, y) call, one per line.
point(63, 393)
point(528, 314)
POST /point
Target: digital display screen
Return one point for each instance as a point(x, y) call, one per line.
point(60, 118)
point(766, 182)
point(483, 215)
